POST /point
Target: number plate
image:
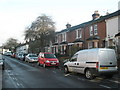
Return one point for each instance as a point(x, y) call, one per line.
point(103, 67)
point(53, 63)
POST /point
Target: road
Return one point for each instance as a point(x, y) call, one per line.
point(21, 74)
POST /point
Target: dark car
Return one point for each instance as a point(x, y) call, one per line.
point(1, 62)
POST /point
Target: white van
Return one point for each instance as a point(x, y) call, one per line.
point(93, 62)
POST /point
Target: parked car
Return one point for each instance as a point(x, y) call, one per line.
point(1, 62)
point(8, 53)
point(20, 56)
point(93, 62)
point(31, 58)
point(13, 55)
point(47, 59)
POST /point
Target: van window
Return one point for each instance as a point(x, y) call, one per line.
point(74, 58)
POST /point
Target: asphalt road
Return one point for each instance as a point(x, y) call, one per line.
point(21, 74)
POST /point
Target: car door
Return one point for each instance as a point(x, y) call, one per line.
point(42, 58)
point(72, 63)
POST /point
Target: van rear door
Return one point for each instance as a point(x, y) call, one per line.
point(107, 60)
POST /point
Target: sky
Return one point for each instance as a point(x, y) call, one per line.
point(16, 15)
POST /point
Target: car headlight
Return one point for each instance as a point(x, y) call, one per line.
point(57, 61)
point(47, 61)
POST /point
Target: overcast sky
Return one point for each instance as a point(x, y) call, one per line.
point(16, 15)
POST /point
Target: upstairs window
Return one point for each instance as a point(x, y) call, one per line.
point(56, 39)
point(64, 37)
point(78, 33)
point(91, 30)
point(95, 30)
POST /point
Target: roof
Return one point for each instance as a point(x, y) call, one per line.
point(93, 38)
point(46, 52)
point(95, 50)
point(102, 18)
point(63, 43)
point(78, 40)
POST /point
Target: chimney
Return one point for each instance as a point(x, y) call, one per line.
point(68, 25)
point(95, 15)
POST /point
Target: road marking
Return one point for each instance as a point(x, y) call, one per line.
point(105, 86)
point(54, 72)
point(67, 74)
point(114, 81)
point(81, 79)
point(11, 75)
point(18, 84)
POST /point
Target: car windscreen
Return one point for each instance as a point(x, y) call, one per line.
point(50, 56)
point(33, 55)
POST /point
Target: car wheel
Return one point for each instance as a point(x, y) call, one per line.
point(66, 70)
point(44, 65)
point(3, 67)
point(89, 74)
point(38, 63)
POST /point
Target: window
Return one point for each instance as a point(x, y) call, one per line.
point(95, 30)
point(74, 58)
point(56, 39)
point(64, 37)
point(90, 44)
point(50, 56)
point(91, 30)
point(78, 33)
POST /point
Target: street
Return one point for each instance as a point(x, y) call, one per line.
point(21, 74)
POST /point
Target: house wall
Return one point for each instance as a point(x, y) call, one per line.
point(111, 29)
point(71, 36)
point(22, 49)
point(107, 27)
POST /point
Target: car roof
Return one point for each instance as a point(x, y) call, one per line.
point(46, 52)
point(0, 56)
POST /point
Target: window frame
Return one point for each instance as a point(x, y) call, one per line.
point(91, 30)
point(95, 29)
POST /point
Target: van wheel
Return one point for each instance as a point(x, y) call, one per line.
point(66, 70)
point(89, 74)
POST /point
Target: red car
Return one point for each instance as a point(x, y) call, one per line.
point(47, 59)
point(13, 55)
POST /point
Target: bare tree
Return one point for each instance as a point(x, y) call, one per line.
point(41, 32)
point(11, 44)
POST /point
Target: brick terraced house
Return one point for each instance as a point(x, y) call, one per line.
point(91, 34)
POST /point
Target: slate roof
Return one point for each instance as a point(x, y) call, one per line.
point(90, 22)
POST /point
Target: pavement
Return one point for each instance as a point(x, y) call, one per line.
point(0, 79)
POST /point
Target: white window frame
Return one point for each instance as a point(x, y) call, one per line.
point(78, 33)
point(91, 30)
point(64, 37)
point(95, 29)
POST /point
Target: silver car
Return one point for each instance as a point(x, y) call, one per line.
point(31, 58)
